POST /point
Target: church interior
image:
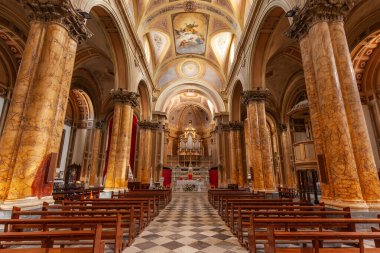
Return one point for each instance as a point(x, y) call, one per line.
point(189, 126)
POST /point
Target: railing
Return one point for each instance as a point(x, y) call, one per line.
point(304, 152)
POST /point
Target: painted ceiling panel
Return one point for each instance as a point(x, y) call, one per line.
point(190, 32)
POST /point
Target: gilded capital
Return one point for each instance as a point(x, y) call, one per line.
point(125, 96)
point(61, 12)
point(151, 125)
point(254, 95)
point(316, 11)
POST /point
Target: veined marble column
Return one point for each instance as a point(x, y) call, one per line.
point(255, 101)
point(268, 170)
point(312, 28)
point(284, 134)
point(233, 158)
point(118, 161)
point(33, 128)
point(247, 148)
point(365, 161)
point(144, 164)
point(94, 163)
point(236, 129)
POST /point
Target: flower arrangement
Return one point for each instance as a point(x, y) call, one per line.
point(188, 188)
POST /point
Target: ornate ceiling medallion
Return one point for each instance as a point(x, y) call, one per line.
point(190, 6)
point(190, 69)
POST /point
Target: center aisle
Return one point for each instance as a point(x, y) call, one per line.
point(188, 224)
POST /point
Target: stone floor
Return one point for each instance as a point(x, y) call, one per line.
point(188, 224)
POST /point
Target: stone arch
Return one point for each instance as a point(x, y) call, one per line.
point(262, 45)
point(235, 102)
point(175, 89)
point(119, 53)
point(145, 101)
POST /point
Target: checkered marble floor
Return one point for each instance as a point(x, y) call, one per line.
point(188, 224)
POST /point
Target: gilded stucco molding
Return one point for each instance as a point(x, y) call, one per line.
point(61, 12)
point(316, 11)
point(254, 95)
point(124, 96)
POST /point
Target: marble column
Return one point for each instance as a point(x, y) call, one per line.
point(268, 170)
point(33, 127)
point(365, 161)
point(258, 138)
point(118, 160)
point(286, 152)
point(247, 148)
point(159, 148)
point(233, 159)
point(236, 129)
point(324, 76)
point(95, 161)
point(222, 132)
point(144, 162)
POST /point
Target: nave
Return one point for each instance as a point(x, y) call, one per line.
point(188, 224)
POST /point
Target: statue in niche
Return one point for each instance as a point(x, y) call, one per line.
point(72, 174)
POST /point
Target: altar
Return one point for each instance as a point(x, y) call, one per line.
point(196, 185)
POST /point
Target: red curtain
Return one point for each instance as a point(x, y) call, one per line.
point(110, 125)
point(213, 177)
point(133, 143)
point(167, 174)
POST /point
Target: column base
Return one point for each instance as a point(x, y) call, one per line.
point(107, 192)
point(29, 203)
point(339, 204)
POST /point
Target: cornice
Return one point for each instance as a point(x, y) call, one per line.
point(61, 12)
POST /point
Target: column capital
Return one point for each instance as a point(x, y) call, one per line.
point(99, 124)
point(224, 127)
point(124, 96)
point(282, 127)
point(3, 91)
point(61, 12)
point(151, 125)
point(259, 94)
point(316, 11)
point(236, 126)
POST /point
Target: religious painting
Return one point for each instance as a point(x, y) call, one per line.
point(190, 32)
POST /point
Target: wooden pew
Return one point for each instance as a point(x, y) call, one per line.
point(259, 226)
point(242, 226)
point(112, 227)
point(229, 204)
point(148, 204)
point(48, 239)
point(127, 218)
point(240, 213)
point(140, 214)
point(163, 196)
point(279, 237)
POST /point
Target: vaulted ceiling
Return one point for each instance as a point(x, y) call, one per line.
point(189, 41)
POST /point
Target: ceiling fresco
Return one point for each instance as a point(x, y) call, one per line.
point(190, 32)
point(190, 41)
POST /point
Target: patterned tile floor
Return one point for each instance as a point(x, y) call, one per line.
point(188, 224)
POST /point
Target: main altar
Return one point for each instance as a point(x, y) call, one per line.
point(187, 176)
